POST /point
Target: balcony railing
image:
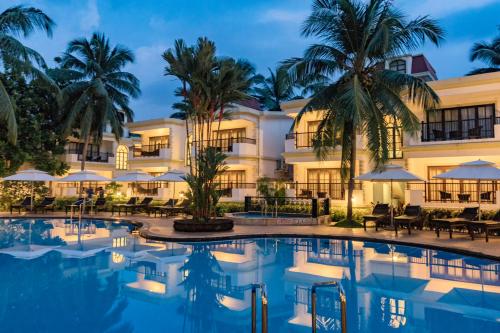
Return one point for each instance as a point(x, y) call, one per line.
point(93, 157)
point(226, 188)
point(226, 145)
point(148, 150)
point(335, 191)
point(303, 139)
point(456, 192)
point(467, 129)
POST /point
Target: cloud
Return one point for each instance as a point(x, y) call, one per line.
point(440, 8)
point(283, 16)
point(157, 23)
point(90, 17)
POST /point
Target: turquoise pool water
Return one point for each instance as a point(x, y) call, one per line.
point(111, 281)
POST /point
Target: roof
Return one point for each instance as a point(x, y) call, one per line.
point(420, 64)
point(250, 103)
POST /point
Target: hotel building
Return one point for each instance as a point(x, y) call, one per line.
point(465, 127)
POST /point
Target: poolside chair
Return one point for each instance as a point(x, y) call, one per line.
point(78, 203)
point(484, 226)
point(143, 205)
point(98, 205)
point(379, 215)
point(463, 197)
point(412, 217)
point(444, 196)
point(459, 222)
point(176, 209)
point(130, 202)
point(155, 209)
point(48, 203)
point(23, 204)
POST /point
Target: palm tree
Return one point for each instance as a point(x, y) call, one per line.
point(19, 21)
point(275, 89)
point(356, 37)
point(100, 90)
point(489, 53)
point(209, 85)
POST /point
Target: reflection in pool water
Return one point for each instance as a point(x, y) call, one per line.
point(115, 282)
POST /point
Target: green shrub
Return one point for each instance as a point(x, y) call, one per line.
point(229, 207)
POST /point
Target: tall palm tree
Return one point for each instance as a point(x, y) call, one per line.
point(100, 91)
point(275, 89)
point(489, 53)
point(19, 21)
point(356, 37)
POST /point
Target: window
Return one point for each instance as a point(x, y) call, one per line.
point(395, 141)
point(461, 123)
point(159, 141)
point(398, 66)
point(122, 158)
point(233, 177)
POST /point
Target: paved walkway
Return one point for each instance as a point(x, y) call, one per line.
point(156, 228)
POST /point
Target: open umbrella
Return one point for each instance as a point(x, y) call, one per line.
point(134, 177)
point(476, 170)
point(390, 173)
point(31, 176)
point(172, 176)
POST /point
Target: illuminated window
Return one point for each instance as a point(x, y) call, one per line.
point(398, 66)
point(122, 158)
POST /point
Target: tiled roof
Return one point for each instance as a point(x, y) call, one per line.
point(420, 64)
point(250, 103)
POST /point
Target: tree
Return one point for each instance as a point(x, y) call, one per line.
point(356, 38)
point(489, 53)
point(38, 117)
point(209, 86)
point(98, 91)
point(19, 21)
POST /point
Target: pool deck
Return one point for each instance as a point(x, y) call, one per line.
point(162, 229)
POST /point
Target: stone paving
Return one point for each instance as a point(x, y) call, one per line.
point(161, 228)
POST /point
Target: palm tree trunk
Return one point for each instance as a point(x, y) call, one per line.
point(352, 174)
point(84, 152)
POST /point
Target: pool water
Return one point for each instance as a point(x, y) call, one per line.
point(112, 281)
point(259, 215)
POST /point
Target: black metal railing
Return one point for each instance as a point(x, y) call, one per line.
point(92, 157)
point(226, 145)
point(148, 150)
point(300, 207)
point(466, 129)
point(335, 191)
point(457, 192)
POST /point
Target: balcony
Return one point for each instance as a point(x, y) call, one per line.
point(301, 139)
point(334, 191)
point(237, 146)
point(467, 129)
point(158, 150)
point(456, 192)
point(91, 157)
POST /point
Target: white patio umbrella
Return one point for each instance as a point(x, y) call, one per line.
point(172, 176)
point(390, 173)
point(476, 170)
point(134, 177)
point(31, 176)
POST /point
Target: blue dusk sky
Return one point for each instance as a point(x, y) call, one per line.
point(262, 31)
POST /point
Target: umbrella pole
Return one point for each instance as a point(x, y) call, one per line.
point(479, 199)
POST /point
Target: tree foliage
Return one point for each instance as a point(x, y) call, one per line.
point(488, 53)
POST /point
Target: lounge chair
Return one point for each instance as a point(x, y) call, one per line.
point(143, 205)
point(444, 196)
point(379, 215)
point(155, 209)
point(48, 203)
point(176, 209)
point(459, 222)
point(98, 205)
point(79, 202)
point(130, 202)
point(24, 204)
point(484, 226)
point(412, 217)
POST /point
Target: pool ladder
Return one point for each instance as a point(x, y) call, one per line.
point(265, 208)
point(343, 304)
point(318, 285)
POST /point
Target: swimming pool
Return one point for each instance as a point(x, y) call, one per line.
point(115, 282)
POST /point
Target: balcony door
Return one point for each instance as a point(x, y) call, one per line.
point(229, 136)
point(231, 178)
point(157, 142)
point(324, 181)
